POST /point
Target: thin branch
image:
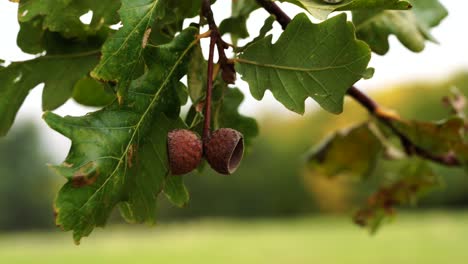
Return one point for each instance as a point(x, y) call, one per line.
point(209, 88)
point(229, 73)
point(372, 107)
point(275, 10)
point(363, 99)
point(411, 149)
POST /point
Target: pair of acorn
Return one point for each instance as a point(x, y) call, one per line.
point(223, 149)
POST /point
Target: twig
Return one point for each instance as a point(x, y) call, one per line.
point(411, 149)
point(372, 107)
point(209, 88)
point(228, 71)
point(363, 99)
point(275, 10)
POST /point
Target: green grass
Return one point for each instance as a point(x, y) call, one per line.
point(420, 238)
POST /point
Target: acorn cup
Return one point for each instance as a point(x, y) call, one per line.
point(185, 151)
point(224, 149)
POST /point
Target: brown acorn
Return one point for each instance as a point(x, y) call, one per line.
point(185, 151)
point(224, 150)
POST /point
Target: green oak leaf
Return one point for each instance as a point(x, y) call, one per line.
point(309, 60)
point(354, 152)
point(118, 154)
point(411, 27)
point(149, 175)
point(176, 192)
point(267, 27)
point(196, 76)
point(182, 9)
point(31, 35)
point(64, 16)
point(166, 27)
point(122, 54)
point(59, 73)
point(321, 10)
point(34, 39)
point(90, 92)
point(236, 24)
point(226, 113)
point(66, 61)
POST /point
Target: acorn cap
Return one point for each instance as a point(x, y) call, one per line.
point(184, 150)
point(224, 150)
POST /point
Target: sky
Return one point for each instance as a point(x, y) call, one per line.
point(399, 65)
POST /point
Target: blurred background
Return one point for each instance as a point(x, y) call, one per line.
point(272, 210)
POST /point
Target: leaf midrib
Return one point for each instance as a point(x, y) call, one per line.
point(139, 123)
point(291, 68)
point(149, 13)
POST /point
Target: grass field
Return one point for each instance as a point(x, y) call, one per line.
point(429, 238)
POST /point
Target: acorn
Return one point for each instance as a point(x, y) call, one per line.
point(185, 151)
point(224, 150)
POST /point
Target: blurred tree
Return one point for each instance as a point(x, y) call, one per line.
point(26, 186)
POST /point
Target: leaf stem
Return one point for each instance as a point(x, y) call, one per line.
point(363, 99)
point(228, 71)
point(209, 88)
point(372, 107)
point(275, 10)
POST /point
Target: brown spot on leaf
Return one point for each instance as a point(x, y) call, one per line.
point(145, 38)
point(131, 155)
point(56, 213)
point(200, 106)
point(85, 176)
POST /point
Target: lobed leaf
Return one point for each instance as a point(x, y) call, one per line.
point(122, 54)
point(321, 10)
point(411, 27)
point(90, 92)
point(118, 154)
point(320, 61)
point(196, 76)
point(236, 25)
point(59, 73)
point(64, 16)
point(267, 27)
